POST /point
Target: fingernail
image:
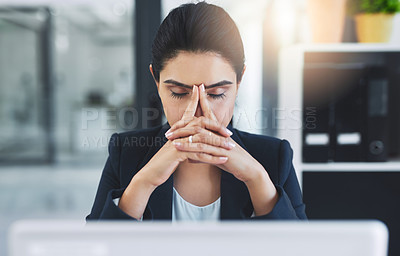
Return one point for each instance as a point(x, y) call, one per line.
point(223, 158)
point(168, 134)
point(177, 143)
point(168, 131)
point(202, 87)
point(231, 144)
point(228, 131)
point(194, 87)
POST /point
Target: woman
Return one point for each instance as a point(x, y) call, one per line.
point(197, 166)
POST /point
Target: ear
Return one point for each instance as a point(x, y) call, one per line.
point(152, 74)
point(241, 78)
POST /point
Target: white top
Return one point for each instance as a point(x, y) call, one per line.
point(185, 211)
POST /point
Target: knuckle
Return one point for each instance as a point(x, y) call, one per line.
point(185, 128)
point(224, 142)
point(200, 146)
point(198, 121)
point(213, 140)
point(197, 129)
point(202, 137)
point(202, 119)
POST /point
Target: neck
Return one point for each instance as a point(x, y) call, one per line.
point(196, 170)
point(196, 167)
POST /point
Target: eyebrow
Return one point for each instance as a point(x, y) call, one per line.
point(171, 81)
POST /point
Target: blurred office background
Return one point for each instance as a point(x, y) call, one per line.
point(72, 73)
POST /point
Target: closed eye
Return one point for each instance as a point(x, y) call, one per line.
point(181, 95)
point(178, 95)
point(217, 96)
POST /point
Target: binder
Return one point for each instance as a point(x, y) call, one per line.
point(316, 114)
point(345, 113)
point(349, 106)
point(377, 119)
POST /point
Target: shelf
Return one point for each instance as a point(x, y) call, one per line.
point(292, 61)
point(348, 47)
point(352, 166)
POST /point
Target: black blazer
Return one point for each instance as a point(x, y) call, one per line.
point(130, 151)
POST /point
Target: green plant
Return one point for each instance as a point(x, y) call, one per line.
point(373, 6)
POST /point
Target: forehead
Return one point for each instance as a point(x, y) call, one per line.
point(193, 68)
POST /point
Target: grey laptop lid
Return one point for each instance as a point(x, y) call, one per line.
point(344, 238)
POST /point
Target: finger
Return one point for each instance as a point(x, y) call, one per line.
point(182, 145)
point(205, 106)
point(202, 135)
point(203, 122)
point(189, 113)
point(191, 108)
point(212, 125)
point(205, 158)
point(179, 124)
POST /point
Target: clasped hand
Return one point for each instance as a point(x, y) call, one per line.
point(206, 137)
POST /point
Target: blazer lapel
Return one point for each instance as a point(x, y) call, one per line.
point(235, 198)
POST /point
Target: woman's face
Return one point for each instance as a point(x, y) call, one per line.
point(188, 69)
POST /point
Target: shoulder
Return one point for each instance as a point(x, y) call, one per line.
point(135, 140)
point(127, 148)
point(255, 139)
point(263, 142)
point(273, 153)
